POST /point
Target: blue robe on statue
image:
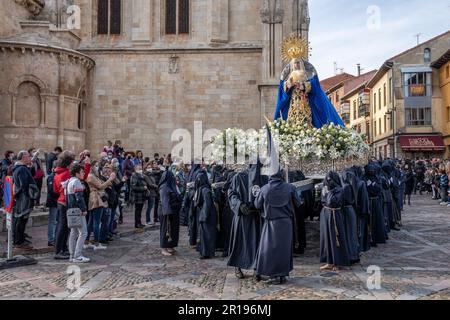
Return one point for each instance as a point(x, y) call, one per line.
point(322, 111)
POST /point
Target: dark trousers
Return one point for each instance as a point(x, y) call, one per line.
point(155, 211)
point(19, 229)
point(62, 230)
point(138, 213)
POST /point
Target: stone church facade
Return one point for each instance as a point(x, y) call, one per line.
point(136, 70)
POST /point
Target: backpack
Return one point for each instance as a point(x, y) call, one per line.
point(50, 190)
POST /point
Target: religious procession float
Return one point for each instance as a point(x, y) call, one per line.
point(310, 136)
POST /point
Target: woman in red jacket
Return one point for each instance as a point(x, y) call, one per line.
point(62, 231)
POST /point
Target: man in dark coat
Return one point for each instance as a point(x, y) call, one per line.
point(25, 191)
point(377, 218)
point(275, 254)
point(51, 158)
point(409, 184)
point(333, 244)
point(362, 210)
point(169, 213)
point(245, 229)
point(207, 217)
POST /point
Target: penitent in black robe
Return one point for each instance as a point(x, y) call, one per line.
point(207, 217)
point(377, 218)
point(227, 214)
point(362, 211)
point(333, 244)
point(275, 253)
point(169, 213)
point(245, 229)
point(350, 221)
point(300, 213)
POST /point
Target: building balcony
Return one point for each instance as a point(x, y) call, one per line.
point(346, 117)
point(364, 111)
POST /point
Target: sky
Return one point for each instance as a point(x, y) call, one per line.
point(370, 31)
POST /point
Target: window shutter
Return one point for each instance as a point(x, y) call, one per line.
point(116, 11)
point(102, 17)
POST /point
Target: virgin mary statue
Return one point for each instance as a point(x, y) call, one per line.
point(301, 99)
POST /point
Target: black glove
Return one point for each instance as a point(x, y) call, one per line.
point(244, 209)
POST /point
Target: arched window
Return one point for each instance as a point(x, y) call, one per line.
point(177, 17)
point(427, 55)
point(28, 105)
point(109, 17)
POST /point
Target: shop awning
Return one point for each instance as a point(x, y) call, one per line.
point(422, 143)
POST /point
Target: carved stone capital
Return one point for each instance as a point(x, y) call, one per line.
point(34, 6)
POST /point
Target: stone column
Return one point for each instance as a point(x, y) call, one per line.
point(142, 21)
point(218, 13)
point(60, 136)
point(13, 109)
point(42, 117)
point(63, 60)
point(272, 15)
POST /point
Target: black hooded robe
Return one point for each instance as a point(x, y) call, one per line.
point(377, 218)
point(169, 215)
point(207, 217)
point(275, 253)
point(350, 223)
point(245, 229)
point(362, 211)
point(301, 213)
point(333, 244)
point(227, 214)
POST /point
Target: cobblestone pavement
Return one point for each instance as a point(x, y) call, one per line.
point(415, 264)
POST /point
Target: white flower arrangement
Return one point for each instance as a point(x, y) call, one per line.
point(295, 141)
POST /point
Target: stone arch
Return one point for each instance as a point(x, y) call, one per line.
point(28, 104)
point(14, 86)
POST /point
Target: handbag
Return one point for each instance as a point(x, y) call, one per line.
point(73, 214)
point(74, 218)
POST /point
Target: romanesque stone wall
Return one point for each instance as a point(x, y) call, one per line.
point(142, 98)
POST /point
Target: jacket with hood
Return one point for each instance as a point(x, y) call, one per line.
point(61, 176)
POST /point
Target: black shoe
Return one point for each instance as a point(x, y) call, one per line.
point(395, 229)
point(373, 244)
point(258, 278)
point(120, 220)
point(27, 236)
point(50, 244)
point(61, 256)
point(239, 274)
point(204, 258)
point(27, 241)
point(277, 281)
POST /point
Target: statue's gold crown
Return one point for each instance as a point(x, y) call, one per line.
point(294, 47)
